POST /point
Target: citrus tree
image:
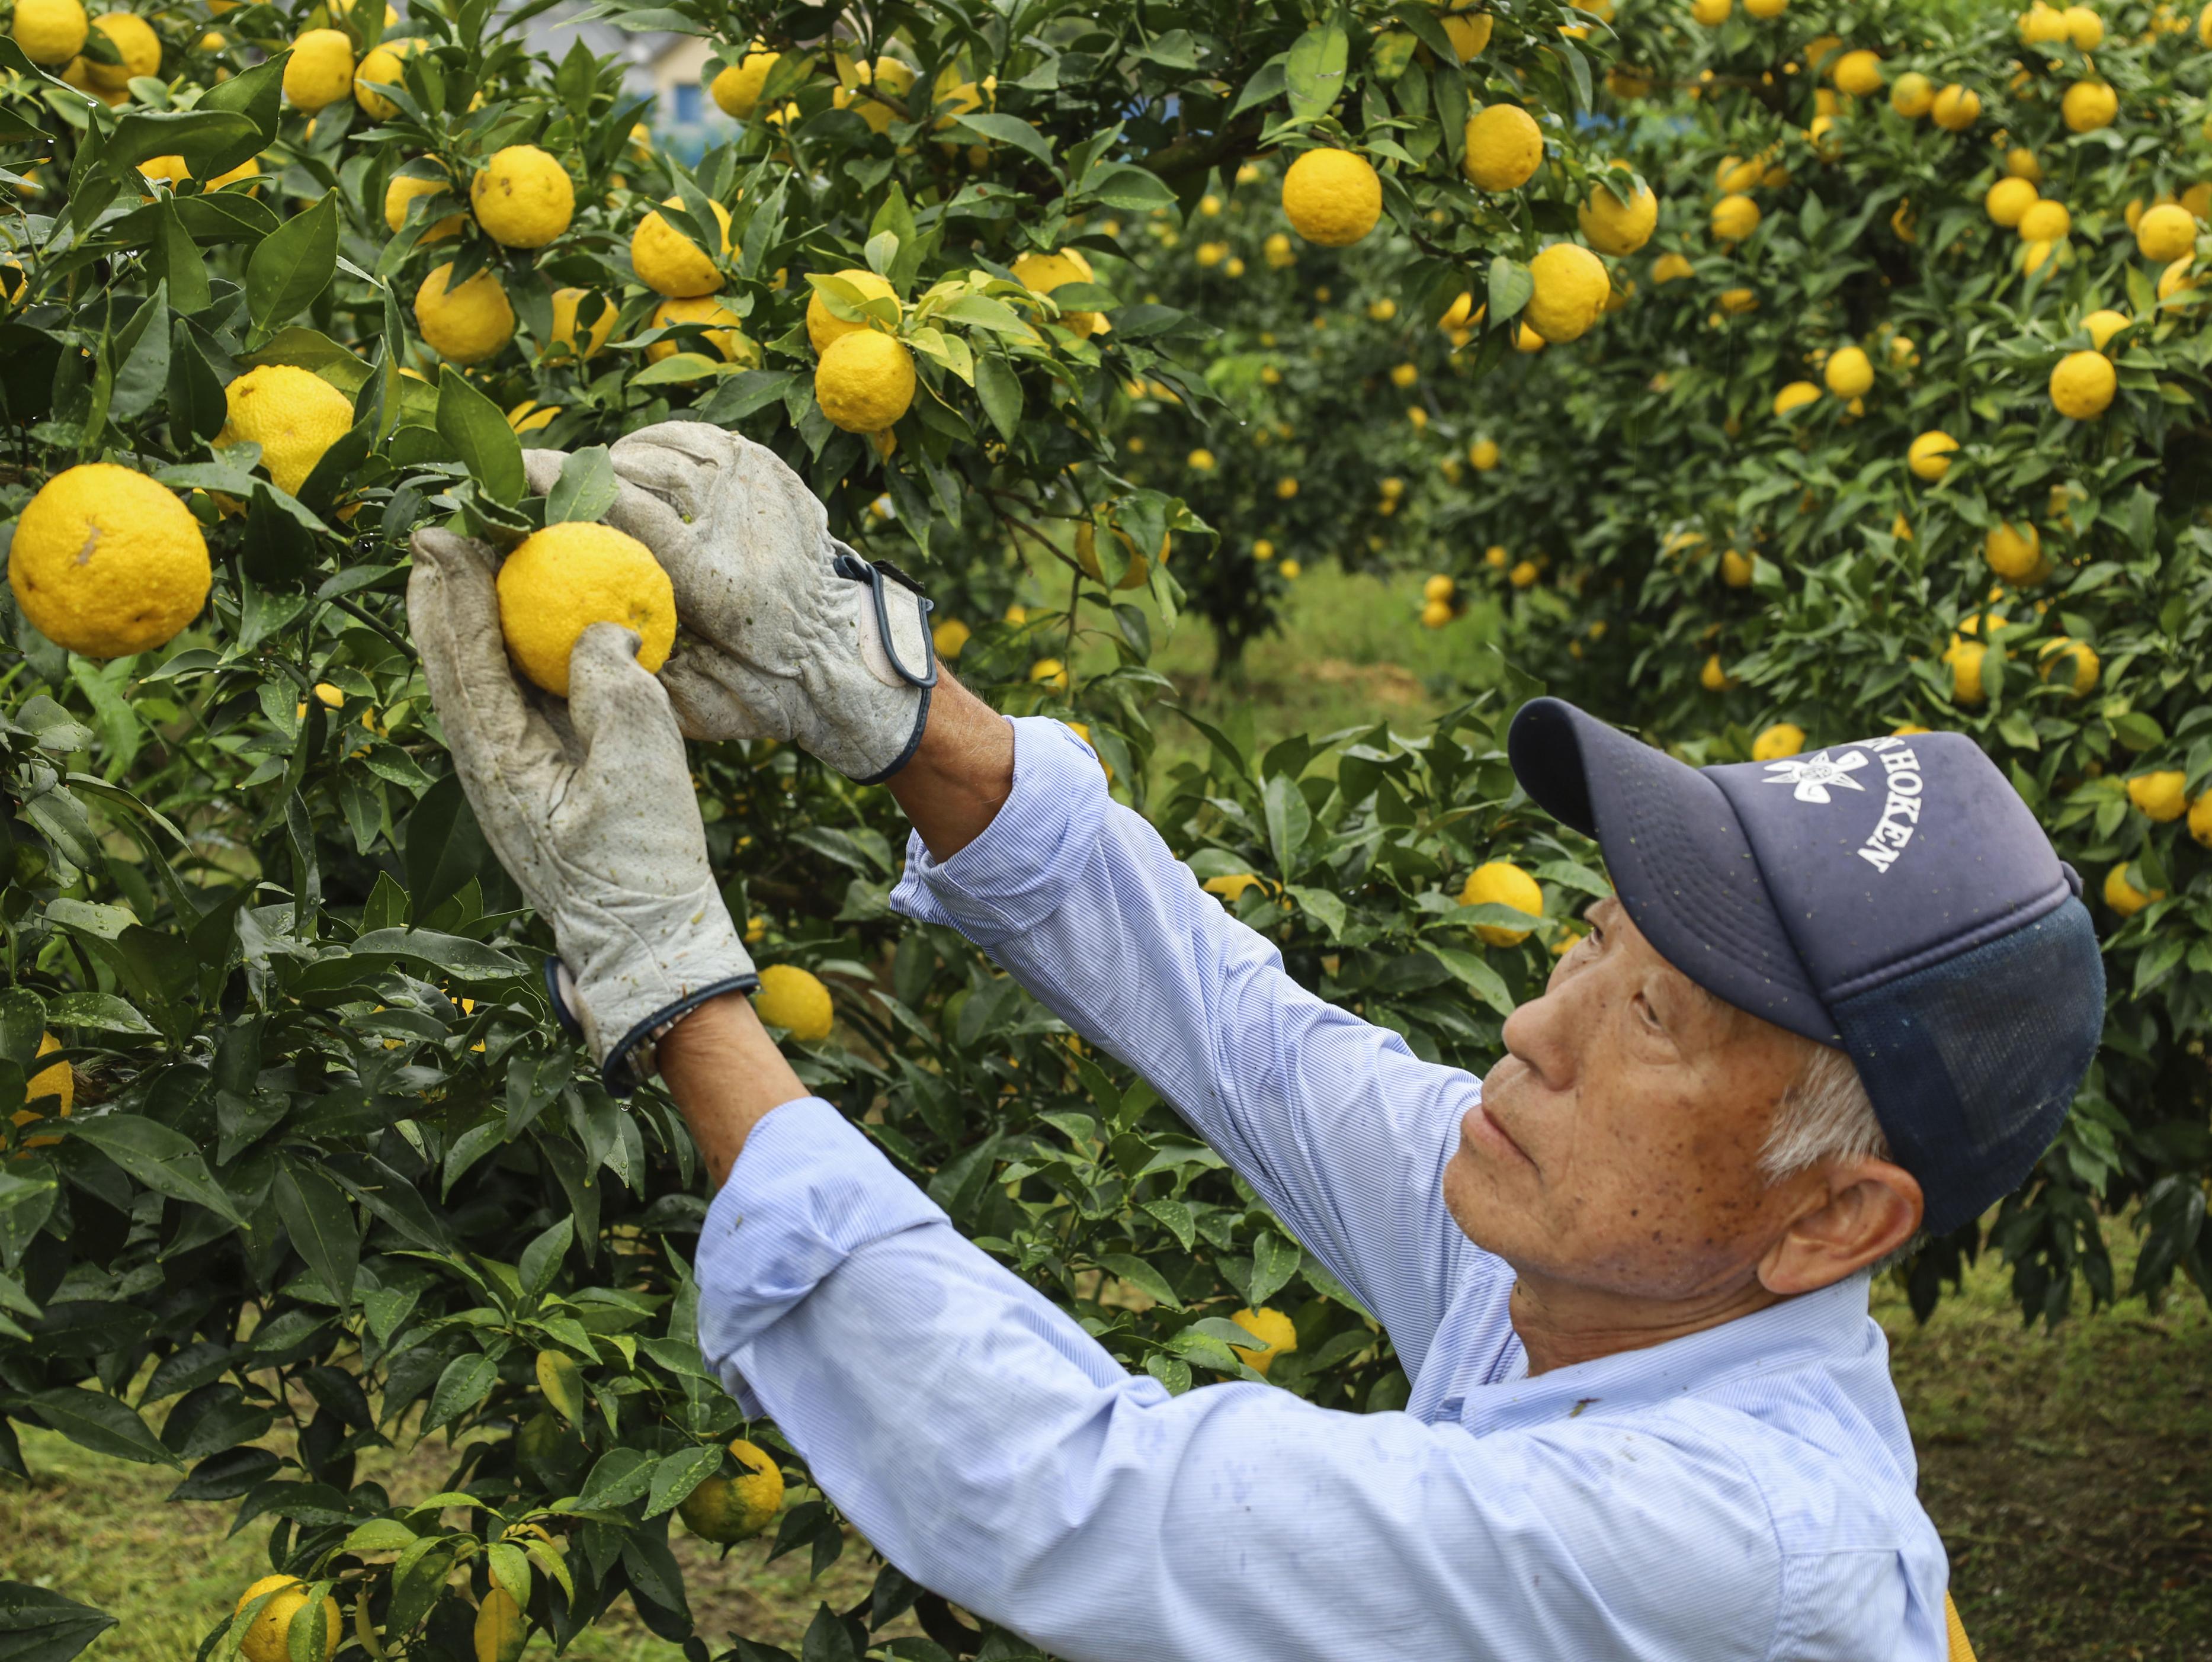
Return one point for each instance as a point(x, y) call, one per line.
point(1902, 425)
point(302, 1171)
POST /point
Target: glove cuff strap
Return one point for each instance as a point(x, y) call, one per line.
point(632, 1060)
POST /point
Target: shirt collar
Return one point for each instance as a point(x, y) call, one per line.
point(1829, 1325)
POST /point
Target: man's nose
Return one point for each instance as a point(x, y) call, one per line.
point(1535, 1034)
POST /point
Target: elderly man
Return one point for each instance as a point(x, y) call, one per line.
point(1837, 1001)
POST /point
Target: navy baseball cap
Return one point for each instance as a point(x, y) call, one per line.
point(1894, 897)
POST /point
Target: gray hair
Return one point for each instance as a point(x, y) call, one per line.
point(1824, 1115)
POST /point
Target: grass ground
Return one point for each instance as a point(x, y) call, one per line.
point(2070, 1472)
point(1351, 651)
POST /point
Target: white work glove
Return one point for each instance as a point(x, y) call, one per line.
point(589, 806)
point(783, 632)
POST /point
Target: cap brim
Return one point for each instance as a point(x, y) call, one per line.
point(1678, 857)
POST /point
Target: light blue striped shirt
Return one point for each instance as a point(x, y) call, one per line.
point(1746, 1492)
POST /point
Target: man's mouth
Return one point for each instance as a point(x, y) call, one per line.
point(1481, 1132)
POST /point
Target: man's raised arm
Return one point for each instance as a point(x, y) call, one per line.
point(789, 634)
point(1342, 1129)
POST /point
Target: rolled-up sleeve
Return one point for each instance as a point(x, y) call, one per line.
point(1342, 1129)
point(996, 1453)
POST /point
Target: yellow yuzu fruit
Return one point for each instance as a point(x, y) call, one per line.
point(2044, 221)
point(2088, 106)
point(269, 1638)
point(382, 65)
point(403, 190)
point(134, 36)
point(727, 1510)
point(292, 413)
point(736, 89)
point(824, 326)
point(2122, 896)
point(2161, 795)
point(1503, 147)
point(523, 197)
point(1615, 226)
point(1332, 197)
point(1668, 267)
point(567, 303)
point(1735, 217)
point(1848, 372)
point(2103, 325)
point(2008, 199)
point(1929, 456)
point(865, 381)
point(1858, 73)
point(2166, 233)
point(2013, 552)
point(1796, 397)
point(562, 579)
point(2075, 661)
point(1277, 1333)
point(464, 325)
point(1571, 290)
point(2082, 384)
point(1955, 108)
point(319, 71)
point(668, 263)
point(1501, 882)
point(1782, 739)
point(795, 1000)
point(1912, 95)
point(51, 32)
point(726, 335)
point(105, 562)
point(1042, 273)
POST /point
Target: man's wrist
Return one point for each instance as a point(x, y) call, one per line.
point(726, 1075)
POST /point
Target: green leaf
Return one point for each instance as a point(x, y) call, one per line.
point(203, 137)
point(466, 1382)
point(1007, 129)
point(1141, 1276)
point(677, 367)
point(1274, 1262)
point(39, 1625)
point(176, 260)
point(1511, 285)
point(1324, 906)
point(676, 1477)
point(452, 953)
point(586, 489)
point(1000, 391)
point(1289, 821)
point(1471, 972)
point(1313, 74)
point(488, 447)
point(380, 1535)
point(163, 1159)
point(321, 1226)
point(103, 1424)
point(293, 264)
point(258, 95)
point(102, 1011)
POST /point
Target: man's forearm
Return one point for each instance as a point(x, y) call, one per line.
point(726, 1074)
point(961, 774)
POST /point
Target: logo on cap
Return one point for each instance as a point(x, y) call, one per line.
point(1812, 775)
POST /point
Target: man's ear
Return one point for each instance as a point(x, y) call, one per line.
point(1854, 1213)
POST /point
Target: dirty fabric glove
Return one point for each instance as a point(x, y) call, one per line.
point(783, 632)
point(588, 805)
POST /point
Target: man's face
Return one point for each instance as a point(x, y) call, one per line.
point(1617, 1144)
